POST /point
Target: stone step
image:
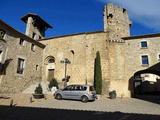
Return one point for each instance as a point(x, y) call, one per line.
point(31, 88)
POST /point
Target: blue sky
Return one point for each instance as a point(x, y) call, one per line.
point(74, 16)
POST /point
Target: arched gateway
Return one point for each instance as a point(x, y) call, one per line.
point(147, 81)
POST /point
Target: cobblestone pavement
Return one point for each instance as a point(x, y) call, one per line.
point(118, 105)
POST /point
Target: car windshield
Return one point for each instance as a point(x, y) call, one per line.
point(91, 88)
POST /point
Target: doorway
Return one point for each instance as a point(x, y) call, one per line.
point(50, 74)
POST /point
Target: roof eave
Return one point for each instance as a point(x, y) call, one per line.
point(24, 19)
point(142, 36)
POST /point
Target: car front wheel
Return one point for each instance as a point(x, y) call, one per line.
point(84, 99)
point(58, 97)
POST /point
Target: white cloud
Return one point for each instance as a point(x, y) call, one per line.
point(146, 12)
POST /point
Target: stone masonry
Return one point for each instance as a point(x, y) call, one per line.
point(12, 82)
point(121, 55)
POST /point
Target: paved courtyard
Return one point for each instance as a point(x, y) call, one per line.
point(119, 105)
point(102, 109)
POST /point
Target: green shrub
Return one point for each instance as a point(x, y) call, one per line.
point(98, 74)
point(53, 83)
point(38, 89)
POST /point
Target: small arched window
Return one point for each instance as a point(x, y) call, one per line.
point(2, 33)
point(72, 52)
point(52, 60)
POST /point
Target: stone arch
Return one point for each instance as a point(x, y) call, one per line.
point(49, 59)
point(147, 81)
point(49, 63)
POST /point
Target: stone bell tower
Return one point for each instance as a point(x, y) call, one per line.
point(116, 22)
point(36, 26)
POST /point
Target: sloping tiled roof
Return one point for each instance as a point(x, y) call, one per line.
point(21, 35)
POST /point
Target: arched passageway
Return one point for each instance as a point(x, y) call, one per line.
point(146, 83)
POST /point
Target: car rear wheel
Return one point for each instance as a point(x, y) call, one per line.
point(58, 97)
point(84, 99)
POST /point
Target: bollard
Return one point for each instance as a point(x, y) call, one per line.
point(11, 103)
point(45, 97)
point(30, 99)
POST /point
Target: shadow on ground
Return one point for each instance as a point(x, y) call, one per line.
point(145, 90)
point(29, 113)
point(149, 98)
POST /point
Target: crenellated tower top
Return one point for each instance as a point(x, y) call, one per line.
point(116, 22)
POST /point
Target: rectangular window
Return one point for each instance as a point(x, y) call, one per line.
point(32, 47)
point(159, 57)
point(145, 60)
point(20, 67)
point(144, 44)
point(39, 37)
point(36, 67)
point(21, 41)
point(33, 35)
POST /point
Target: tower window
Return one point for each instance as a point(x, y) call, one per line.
point(2, 33)
point(110, 16)
point(20, 67)
point(40, 37)
point(21, 41)
point(33, 35)
point(145, 60)
point(124, 10)
point(144, 44)
point(36, 67)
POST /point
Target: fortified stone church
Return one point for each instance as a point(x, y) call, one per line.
point(30, 58)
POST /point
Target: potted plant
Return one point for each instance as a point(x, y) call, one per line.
point(112, 94)
point(38, 93)
point(53, 83)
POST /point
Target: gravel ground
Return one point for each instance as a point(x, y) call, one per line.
point(118, 105)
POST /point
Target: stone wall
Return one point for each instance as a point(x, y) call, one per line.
point(81, 69)
point(134, 51)
point(116, 22)
point(12, 81)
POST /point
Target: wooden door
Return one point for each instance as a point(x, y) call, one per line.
point(50, 74)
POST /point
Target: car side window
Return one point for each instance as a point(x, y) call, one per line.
point(78, 88)
point(68, 88)
point(84, 88)
point(73, 87)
